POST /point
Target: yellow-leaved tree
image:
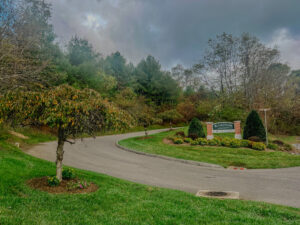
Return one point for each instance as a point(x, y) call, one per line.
point(70, 111)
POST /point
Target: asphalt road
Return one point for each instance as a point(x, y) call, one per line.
point(279, 186)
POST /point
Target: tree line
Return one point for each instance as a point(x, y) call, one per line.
point(235, 74)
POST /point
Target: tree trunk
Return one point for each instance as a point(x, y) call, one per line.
point(59, 154)
point(146, 132)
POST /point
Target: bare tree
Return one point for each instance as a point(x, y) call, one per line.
point(255, 60)
point(222, 60)
point(186, 77)
point(26, 44)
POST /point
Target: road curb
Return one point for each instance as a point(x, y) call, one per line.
point(191, 162)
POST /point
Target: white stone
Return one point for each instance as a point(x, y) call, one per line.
point(209, 137)
point(238, 136)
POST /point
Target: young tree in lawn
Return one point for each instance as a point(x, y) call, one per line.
point(146, 118)
point(70, 111)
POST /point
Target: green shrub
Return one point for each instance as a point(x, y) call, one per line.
point(196, 129)
point(254, 127)
point(258, 146)
point(194, 142)
point(202, 141)
point(68, 174)
point(226, 142)
point(53, 181)
point(188, 140)
point(235, 143)
point(178, 141)
point(217, 140)
point(272, 146)
point(246, 143)
point(213, 142)
point(171, 138)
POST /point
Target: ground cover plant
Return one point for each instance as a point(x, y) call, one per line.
point(224, 156)
point(116, 201)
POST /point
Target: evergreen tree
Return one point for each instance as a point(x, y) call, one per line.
point(154, 83)
point(196, 129)
point(116, 66)
point(254, 127)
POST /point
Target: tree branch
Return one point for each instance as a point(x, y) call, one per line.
point(69, 141)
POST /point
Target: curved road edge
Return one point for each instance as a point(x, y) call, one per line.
point(191, 162)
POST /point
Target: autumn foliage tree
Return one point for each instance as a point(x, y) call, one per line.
point(70, 111)
point(170, 116)
point(187, 110)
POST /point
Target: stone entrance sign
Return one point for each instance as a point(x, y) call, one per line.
point(224, 127)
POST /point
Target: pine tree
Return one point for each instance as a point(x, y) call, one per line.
point(196, 129)
point(254, 127)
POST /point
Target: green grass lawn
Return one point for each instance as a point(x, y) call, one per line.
point(116, 201)
point(223, 156)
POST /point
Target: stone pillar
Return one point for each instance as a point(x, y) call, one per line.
point(237, 128)
point(209, 127)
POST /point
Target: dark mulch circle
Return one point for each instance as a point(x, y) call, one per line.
point(41, 184)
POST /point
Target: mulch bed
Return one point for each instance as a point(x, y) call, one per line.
point(41, 184)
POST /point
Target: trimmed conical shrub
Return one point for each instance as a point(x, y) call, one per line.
point(196, 129)
point(254, 127)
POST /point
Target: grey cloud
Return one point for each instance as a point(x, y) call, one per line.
point(174, 31)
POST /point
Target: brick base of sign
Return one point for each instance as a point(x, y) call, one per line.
point(237, 128)
point(209, 137)
point(238, 136)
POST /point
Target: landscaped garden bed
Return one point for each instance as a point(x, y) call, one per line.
point(218, 141)
point(180, 138)
point(221, 155)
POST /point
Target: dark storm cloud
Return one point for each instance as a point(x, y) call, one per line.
point(176, 31)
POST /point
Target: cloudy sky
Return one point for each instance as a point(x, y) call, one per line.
point(176, 31)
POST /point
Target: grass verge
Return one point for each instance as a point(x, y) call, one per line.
point(223, 156)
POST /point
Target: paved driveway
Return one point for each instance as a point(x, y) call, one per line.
point(280, 186)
